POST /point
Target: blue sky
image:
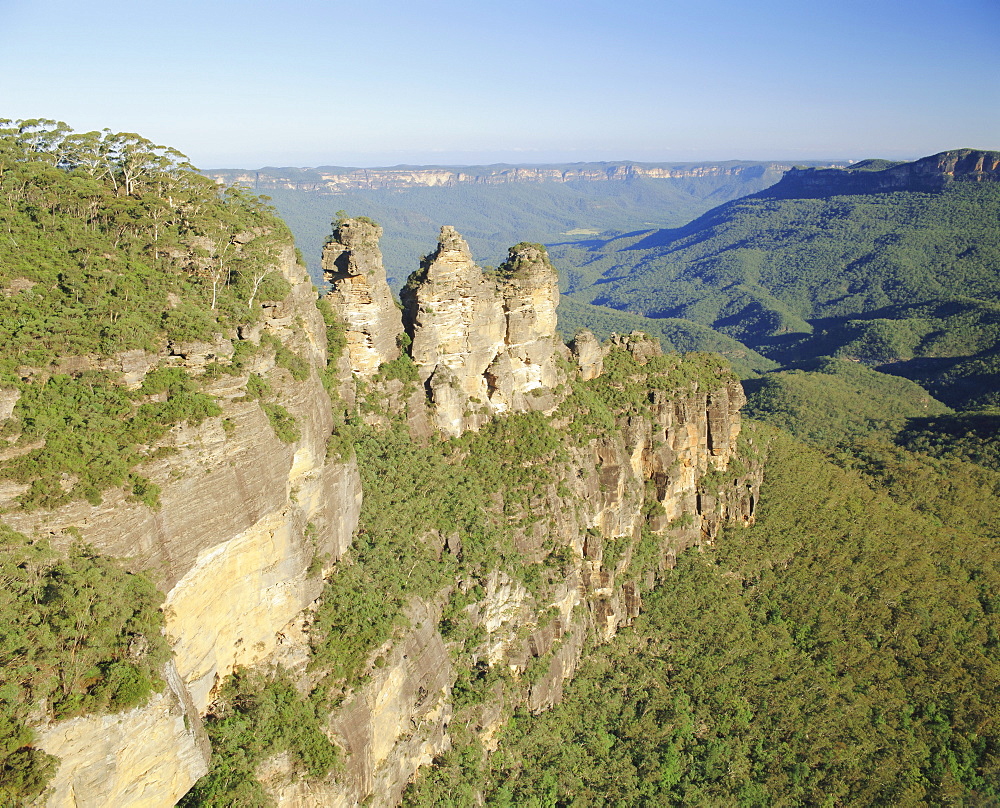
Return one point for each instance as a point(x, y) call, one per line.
point(245, 84)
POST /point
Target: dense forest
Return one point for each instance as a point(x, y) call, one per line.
point(843, 651)
point(901, 280)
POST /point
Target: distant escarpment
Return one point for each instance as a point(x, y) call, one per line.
point(874, 176)
point(336, 179)
point(892, 265)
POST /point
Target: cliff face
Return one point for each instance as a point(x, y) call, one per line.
point(146, 756)
point(618, 509)
point(352, 263)
point(483, 344)
point(337, 180)
point(926, 174)
point(243, 516)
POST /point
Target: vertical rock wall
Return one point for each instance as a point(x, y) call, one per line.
point(245, 518)
point(352, 263)
point(484, 343)
point(245, 525)
point(455, 318)
point(674, 454)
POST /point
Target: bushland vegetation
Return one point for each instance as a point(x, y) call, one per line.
point(479, 489)
point(80, 635)
point(109, 244)
point(904, 281)
point(841, 651)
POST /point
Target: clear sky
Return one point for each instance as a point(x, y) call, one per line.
point(241, 83)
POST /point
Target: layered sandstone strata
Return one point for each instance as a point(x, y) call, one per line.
point(484, 343)
point(597, 506)
point(360, 294)
point(245, 527)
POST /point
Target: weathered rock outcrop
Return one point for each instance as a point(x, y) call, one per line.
point(352, 263)
point(455, 318)
point(931, 173)
point(245, 525)
point(248, 522)
point(484, 343)
point(147, 756)
point(388, 728)
point(587, 352)
point(618, 510)
point(525, 373)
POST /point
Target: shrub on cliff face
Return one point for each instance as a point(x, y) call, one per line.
point(80, 635)
point(257, 716)
point(86, 433)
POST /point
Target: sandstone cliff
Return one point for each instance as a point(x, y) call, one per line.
point(352, 264)
point(331, 179)
point(619, 505)
point(483, 344)
point(931, 173)
point(644, 467)
point(246, 521)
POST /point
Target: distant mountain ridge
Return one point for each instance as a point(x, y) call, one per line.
point(339, 179)
point(931, 173)
point(890, 264)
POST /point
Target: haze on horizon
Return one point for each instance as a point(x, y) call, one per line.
point(246, 84)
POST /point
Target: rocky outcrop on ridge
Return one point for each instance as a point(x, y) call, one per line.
point(618, 510)
point(352, 263)
point(586, 349)
point(525, 373)
point(248, 524)
point(483, 343)
point(927, 174)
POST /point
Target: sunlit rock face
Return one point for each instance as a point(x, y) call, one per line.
point(588, 354)
point(485, 343)
point(360, 294)
point(597, 507)
point(246, 525)
point(149, 755)
point(928, 174)
point(526, 374)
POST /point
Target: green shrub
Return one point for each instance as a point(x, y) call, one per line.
point(94, 432)
point(80, 635)
point(282, 422)
point(257, 716)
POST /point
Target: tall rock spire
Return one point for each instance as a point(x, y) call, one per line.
point(525, 372)
point(352, 263)
point(484, 343)
point(456, 319)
